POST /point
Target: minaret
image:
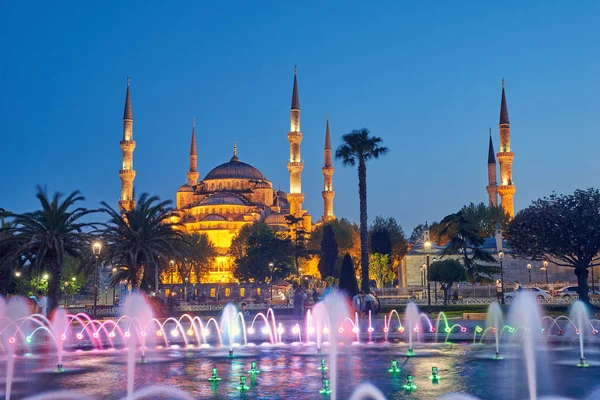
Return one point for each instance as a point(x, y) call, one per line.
point(327, 169)
point(127, 173)
point(505, 157)
point(193, 174)
point(295, 165)
point(492, 187)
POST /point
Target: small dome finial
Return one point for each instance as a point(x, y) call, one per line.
point(128, 81)
point(502, 82)
point(327, 116)
point(294, 69)
point(193, 122)
point(490, 130)
point(234, 148)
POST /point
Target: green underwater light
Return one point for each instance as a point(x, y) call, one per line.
point(409, 385)
point(435, 377)
point(582, 363)
point(410, 352)
point(242, 386)
point(326, 389)
point(253, 370)
point(215, 375)
point(394, 368)
point(322, 367)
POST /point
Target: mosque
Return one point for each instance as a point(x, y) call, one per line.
point(233, 194)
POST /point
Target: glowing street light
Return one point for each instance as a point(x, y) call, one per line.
point(427, 248)
point(96, 250)
point(529, 271)
point(545, 268)
point(18, 274)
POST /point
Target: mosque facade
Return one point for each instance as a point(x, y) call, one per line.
point(233, 194)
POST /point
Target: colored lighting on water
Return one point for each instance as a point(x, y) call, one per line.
point(311, 330)
point(280, 330)
point(295, 330)
point(341, 330)
point(435, 377)
point(432, 330)
point(250, 331)
point(322, 367)
point(401, 329)
point(95, 335)
point(127, 334)
point(190, 332)
point(63, 337)
point(326, 389)
point(325, 330)
point(463, 329)
point(28, 339)
point(174, 333)
point(80, 336)
point(386, 330)
point(265, 330)
point(355, 329)
point(111, 334)
point(12, 339)
point(253, 370)
point(478, 329)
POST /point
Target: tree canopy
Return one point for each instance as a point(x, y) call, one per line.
point(380, 269)
point(258, 246)
point(348, 283)
point(346, 235)
point(329, 253)
point(466, 240)
point(387, 237)
point(48, 235)
point(447, 272)
point(562, 229)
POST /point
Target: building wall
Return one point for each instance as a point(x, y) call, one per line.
point(515, 269)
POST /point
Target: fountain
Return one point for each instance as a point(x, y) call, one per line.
point(412, 317)
point(493, 321)
point(198, 340)
point(579, 314)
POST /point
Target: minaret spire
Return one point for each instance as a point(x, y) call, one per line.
point(492, 187)
point(127, 173)
point(295, 165)
point(505, 157)
point(193, 173)
point(328, 193)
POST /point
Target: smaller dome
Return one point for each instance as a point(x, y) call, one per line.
point(282, 194)
point(262, 185)
point(275, 219)
point(186, 188)
point(222, 199)
point(214, 217)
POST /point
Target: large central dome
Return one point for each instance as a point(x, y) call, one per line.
point(235, 169)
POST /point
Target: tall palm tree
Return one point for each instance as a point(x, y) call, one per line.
point(358, 147)
point(48, 234)
point(139, 238)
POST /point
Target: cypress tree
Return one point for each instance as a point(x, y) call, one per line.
point(329, 253)
point(348, 283)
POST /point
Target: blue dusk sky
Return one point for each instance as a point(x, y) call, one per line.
point(423, 75)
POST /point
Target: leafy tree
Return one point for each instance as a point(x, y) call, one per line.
point(416, 233)
point(262, 248)
point(447, 272)
point(358, 147)
point(348, 283)
point(239, 245)
point(387, 237)
point(329, 252)
point(347, 236)
point(298, 239)
point(380, 269)
point(201, 254)
point(139, 239)
point(486, 217)
point(466, 241)
point(48, 235)
point(562, 229)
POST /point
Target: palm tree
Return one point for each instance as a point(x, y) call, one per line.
point(48, 234)
point(465, 239)
point(358, 146)
point(139, 238)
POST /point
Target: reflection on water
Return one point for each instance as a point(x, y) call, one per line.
point(291, 372)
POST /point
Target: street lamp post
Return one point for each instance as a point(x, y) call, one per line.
point(271, 265)
point(105, 294)
point(529, 271)
point(114, 272)
point(172, 263)
point(500, 257)
point(96, 249)
point(545, 268)
point(434, 259)
point(427, 248)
